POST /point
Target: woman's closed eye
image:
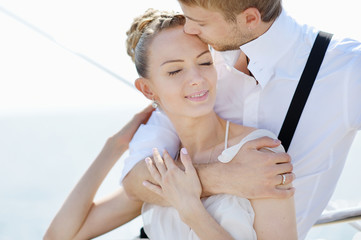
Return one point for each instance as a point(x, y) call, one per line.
point(174, 72)
point(207, 63)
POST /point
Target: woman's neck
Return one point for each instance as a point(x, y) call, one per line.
point(200, 134)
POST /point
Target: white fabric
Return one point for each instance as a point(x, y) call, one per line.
point(234, 214)
point(142, 144)
point(330, 120)
point(229, 153)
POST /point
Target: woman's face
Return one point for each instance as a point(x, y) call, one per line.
point(182, 75)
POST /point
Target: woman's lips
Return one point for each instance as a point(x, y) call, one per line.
point(198, 96)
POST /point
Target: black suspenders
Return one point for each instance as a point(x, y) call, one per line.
point(304, 87)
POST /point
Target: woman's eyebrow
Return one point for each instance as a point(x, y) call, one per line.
point(207, 51)
point(180, 60)
point(172, 61)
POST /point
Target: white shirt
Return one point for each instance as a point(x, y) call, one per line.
point(327, 127)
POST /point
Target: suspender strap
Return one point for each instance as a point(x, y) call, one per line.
point(304, 87)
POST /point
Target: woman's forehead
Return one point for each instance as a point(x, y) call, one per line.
point(175, 40)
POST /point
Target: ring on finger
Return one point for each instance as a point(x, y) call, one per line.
point(283, 179)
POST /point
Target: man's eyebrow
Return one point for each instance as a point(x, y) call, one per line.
point(195, 20)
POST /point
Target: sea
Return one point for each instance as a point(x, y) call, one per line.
point(43, 155)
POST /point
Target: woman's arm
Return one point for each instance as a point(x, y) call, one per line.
point(182, 190)
point(275, 218)
point(252, 174)
point(80, 217)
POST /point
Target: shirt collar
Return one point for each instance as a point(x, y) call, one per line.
point(265, 51)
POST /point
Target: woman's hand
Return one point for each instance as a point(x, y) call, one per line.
point(80, 216)
point(125, 135)
point(182, 189)
point(119, 142)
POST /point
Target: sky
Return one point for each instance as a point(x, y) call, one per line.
point(38, 72)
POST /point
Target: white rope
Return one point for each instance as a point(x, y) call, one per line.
point(52, 39)
point(226, 138)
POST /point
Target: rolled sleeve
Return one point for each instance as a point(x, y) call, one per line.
point(157, 133)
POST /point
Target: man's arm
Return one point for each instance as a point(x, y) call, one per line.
point(251, 174)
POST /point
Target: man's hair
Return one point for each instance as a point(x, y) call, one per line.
point(269, 9)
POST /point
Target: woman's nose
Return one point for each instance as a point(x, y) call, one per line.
point(196, 77)
point(191, 28)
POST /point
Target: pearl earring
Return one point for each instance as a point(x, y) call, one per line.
point(154, 104)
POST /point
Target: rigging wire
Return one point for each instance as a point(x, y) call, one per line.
point(52, 39)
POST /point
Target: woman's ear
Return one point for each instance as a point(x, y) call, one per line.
point(142, 84)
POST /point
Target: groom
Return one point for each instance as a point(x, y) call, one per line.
point(270, 46)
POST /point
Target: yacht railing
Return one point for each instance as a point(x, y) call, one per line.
point(349, 215)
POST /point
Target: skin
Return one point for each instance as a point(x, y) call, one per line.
point(212, 28)
point(172, 82)
point(81, 217)
point(252, 174)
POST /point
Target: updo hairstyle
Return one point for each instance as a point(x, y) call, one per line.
point(143, 30)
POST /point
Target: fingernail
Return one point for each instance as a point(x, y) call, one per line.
point(277, 141)
point(144, 183)
point(147, 160)
point(184, 151)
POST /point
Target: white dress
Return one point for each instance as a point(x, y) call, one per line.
point(233, 213)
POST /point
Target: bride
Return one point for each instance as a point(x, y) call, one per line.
point(177, 73)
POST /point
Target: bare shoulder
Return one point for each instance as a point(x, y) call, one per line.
point(238, 132)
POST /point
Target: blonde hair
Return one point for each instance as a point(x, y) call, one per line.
point(142, 31)
point(269, 9)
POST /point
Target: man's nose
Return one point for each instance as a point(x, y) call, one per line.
point(191, 28)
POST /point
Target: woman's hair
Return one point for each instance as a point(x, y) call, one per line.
point(269, 9)
point(143, 30)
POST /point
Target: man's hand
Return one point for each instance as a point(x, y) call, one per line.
point(254, 173)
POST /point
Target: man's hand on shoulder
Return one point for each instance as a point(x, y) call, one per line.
point(254, 173)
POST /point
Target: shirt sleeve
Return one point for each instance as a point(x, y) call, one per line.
point(354, 94)
point(157, 133)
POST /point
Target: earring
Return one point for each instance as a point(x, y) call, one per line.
point(154, 104)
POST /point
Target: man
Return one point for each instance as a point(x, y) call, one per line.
point(270, 46)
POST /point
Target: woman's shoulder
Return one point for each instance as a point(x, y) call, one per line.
point(239, 132)
point(235, 142)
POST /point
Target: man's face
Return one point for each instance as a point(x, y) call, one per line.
point(212, 28)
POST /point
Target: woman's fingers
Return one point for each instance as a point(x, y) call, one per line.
point(159, 163)
point(143, 116)
point(168, 160)
point(153, 170)
point(187, 161)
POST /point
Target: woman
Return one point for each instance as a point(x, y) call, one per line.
point(177, 73)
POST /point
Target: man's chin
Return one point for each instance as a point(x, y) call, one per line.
point(219, 48)
point(223, 48)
